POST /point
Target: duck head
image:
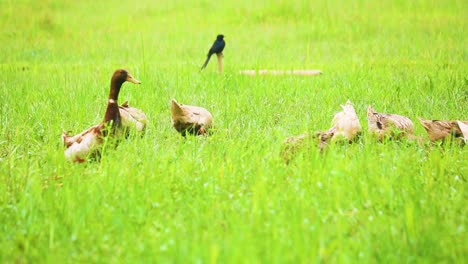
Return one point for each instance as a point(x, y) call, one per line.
point(373, 121)
point(122, 74)
point(348, 107)
point(177, 111)
point(370, 110)
point(118, 78)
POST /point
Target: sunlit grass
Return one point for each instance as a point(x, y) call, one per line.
point(230, 197)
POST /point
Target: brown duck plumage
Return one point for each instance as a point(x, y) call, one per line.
point(345, 125)
point(190, 119)
point(389, 125)
point(441, 129)
point(292, 145)
point(88, 142)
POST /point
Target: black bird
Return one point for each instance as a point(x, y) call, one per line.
point(218, 47)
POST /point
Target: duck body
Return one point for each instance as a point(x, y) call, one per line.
point(345, 125)
point(132, 118)
point(294, 144)
point(441, 129)
point(84, 144)
point(389, 125)
point(190, 119)
point(89, 142)
point(464, 129)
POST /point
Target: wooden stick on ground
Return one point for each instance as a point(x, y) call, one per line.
point(281, 72)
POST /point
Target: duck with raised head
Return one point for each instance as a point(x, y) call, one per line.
point(88, 142)
point(190, 119)
point(441, 129)
point(389, 125)
point(345, 125)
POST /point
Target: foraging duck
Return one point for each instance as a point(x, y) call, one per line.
point(345, 125)
point(88, 142)
point(292, 145)
point(464, 129)
point(132, 118)
point(390, 125)
point(440, 129)
point(190, 119)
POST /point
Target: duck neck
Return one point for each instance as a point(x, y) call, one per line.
point(112, 111)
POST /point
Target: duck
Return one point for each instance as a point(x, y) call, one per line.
point(190, 119)
point(292, 145)
point(345, 125)
point(89, 142)
point(132, 119)
point(463, 125)
point(441, 129)
point(389, 125)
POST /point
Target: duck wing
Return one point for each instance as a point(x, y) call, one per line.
point(132, 117)
point(386, 124)
point(401, 122)
point(83, 144)
point(199, 116)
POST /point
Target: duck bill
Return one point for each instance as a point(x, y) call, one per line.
point(131, 79)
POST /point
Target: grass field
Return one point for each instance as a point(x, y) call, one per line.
point(230, 198)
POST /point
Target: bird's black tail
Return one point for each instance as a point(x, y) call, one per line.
point(206, 62)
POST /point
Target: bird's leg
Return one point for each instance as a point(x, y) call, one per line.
point(220, 61)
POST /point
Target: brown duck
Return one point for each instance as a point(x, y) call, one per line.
point(441, 129)
point(190, 119)
point(345, 125)
point(88, 142)
point(294, 144)
point(389, 125)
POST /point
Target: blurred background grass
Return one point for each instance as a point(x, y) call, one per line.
point(230, 198)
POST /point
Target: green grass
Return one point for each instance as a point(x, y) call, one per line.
point(230, 198)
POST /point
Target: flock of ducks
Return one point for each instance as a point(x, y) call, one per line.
point(346, 126)
point(120, 121)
